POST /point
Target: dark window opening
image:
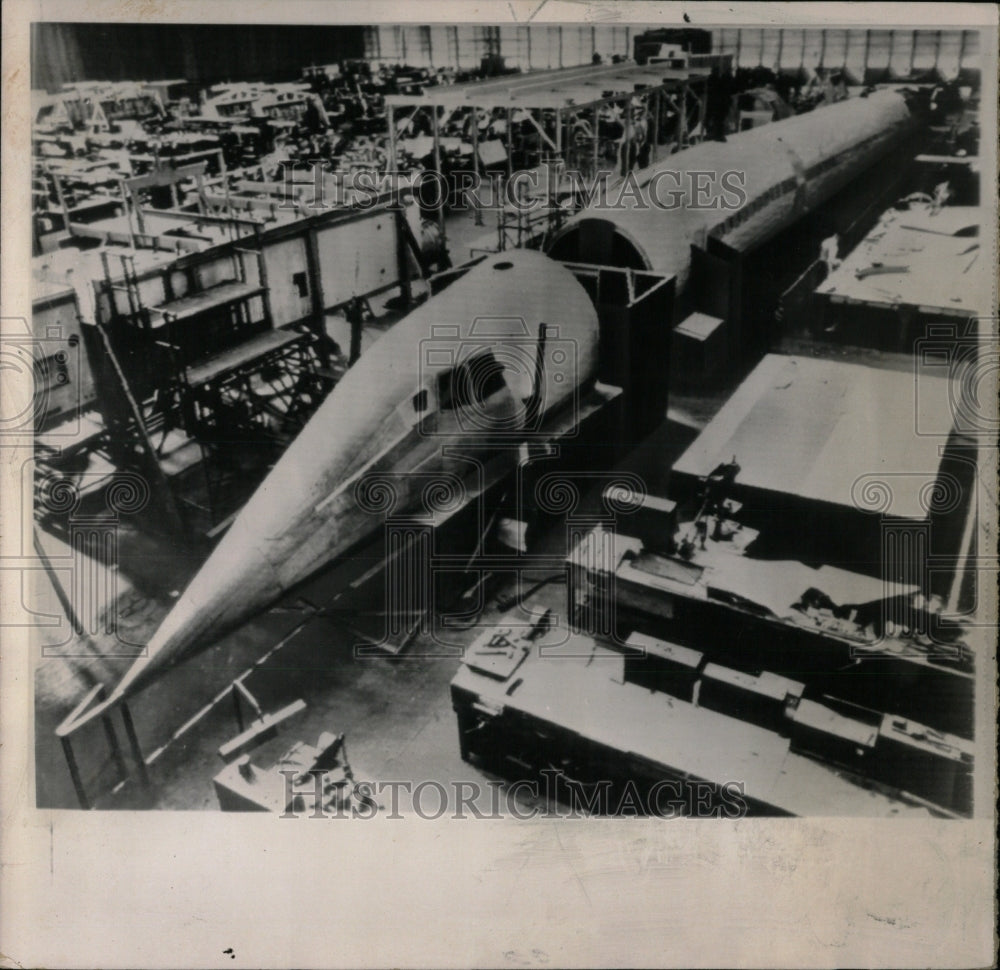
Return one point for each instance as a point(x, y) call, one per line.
point(471, 383)
point(420, 401)
point(301, 283)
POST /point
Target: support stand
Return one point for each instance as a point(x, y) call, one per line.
point(68, 727)
point(133, 741)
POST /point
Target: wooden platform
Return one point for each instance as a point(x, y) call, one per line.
point(236, 357)
point(222, 294)
point(813, 429)
point(929, 262)
point(575, 698)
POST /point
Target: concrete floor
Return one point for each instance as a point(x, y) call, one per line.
point(395, 711)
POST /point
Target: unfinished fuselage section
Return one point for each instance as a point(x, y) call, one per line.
point(478, 368)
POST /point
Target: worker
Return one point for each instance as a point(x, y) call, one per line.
point(687, 548)
point(942, 193)
point(829, 253)
point(719, 97)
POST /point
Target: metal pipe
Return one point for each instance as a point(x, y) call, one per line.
point(317, 299)
point(555, 175)
point(128, 213)
point(477, 212)
point(391, 118)
point(64, 600)
point(133, 741)
point(437, 167)
point(74, 773)
point(626, 165)
point(62, 201)
point(597, 136)
point(238, 708)
point(656, 125)
point(116, 748)
point(402, 263)
point(355, 351)
point(534, 403)
point(510, 141)
point(682, 116)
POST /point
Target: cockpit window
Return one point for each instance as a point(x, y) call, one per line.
point(471, 382)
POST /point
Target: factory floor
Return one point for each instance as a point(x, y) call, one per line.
point(394, 710)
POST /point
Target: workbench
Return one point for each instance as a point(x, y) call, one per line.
point(567, 701)
point(916, 263)
point(746, 618)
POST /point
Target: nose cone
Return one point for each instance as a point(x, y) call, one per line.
point(278, 539)
point(235, 583)
point(306, 514)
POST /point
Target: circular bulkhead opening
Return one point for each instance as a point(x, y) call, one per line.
point(599, 242)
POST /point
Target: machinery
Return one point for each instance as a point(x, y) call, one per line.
point(470, 373)
point(649, 727)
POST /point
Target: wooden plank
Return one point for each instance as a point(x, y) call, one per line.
point(214, 296)
point(240, 356)
point(167, 176)
point(259, 731)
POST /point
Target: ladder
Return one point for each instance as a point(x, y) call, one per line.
point(137, 313)
point(125, 418)
point(129, 434)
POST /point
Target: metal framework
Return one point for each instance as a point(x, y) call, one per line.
point(592, 120)
point(191, 366)
point(261, 385)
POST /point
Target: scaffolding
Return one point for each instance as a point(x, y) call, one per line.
point(203, 372)
point(208, 341)
point(594, 121)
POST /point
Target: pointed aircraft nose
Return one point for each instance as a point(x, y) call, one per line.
point(235, 583)
point(306, 512)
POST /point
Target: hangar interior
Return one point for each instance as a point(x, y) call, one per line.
point(494, 401)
